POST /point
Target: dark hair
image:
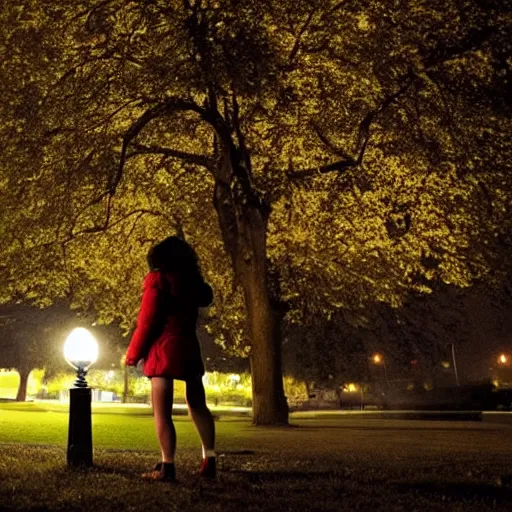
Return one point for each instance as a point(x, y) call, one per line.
point(173, 255)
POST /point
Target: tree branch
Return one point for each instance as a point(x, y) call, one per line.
point(322, 169)
point(172, 104)
point(365, 125)
point(296, 46)
point(104, 227)
point(112, 114)
point(333, 9)
point(192, 158)
point(472, 42)
point(336, 150)
point(362, 140)
point(240, 136)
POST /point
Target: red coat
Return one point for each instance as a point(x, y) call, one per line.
point(165, 336)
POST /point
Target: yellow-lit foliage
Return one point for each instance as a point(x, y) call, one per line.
point(295, 83)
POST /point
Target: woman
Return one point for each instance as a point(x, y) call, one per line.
point(165, 337)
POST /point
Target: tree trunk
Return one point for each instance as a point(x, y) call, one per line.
point(269, 402)
point(243, 221)
point(22, 388)
point(307, 385)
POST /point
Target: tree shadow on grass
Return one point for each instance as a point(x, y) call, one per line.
point(461, 492)
point(103, 469)
point(392, 427)
point(232, 453)
point(273, 475)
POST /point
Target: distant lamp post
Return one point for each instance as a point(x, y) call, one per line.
point(502, 359)
point(379, 359)
point(80, 351)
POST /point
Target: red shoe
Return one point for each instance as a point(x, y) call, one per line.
point(163, 472)
point(208, 468)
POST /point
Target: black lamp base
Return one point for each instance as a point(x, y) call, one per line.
point(80, 427)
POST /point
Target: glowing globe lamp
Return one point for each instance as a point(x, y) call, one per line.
point(80, 351)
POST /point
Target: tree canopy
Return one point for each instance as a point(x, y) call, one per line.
point(355, 151)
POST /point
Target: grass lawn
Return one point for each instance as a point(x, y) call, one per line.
point(116, 427)
point(318, 464)
point(9, 382)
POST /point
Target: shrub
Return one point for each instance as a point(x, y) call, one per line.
point(295, 390)
point(228, 388)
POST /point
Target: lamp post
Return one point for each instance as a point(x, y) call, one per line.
point(455, 373)
point(378, 359)
point(80, 351)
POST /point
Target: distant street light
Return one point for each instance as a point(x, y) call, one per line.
point(503, 359)
point(80, 351)
point(378, 359)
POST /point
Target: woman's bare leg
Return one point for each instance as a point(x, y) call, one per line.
point(201, 415)
point(162, 391)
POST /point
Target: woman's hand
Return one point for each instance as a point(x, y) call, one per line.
point(130, 361)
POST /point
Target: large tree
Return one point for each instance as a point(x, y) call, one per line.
point(120, 119)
